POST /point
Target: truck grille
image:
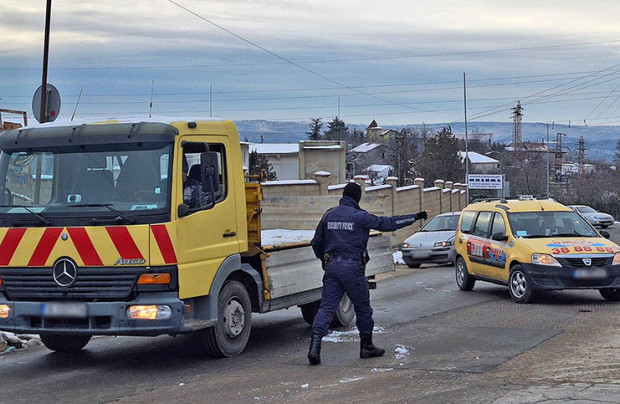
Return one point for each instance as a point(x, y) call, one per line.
point(578, 262)
point(90, 284)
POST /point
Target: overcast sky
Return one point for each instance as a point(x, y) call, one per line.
point(399, 62)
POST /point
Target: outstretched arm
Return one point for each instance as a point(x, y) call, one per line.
point(392, 223)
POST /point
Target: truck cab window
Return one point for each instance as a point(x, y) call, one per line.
point(196, 193)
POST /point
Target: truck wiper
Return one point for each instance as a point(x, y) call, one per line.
point(121, 218)
point(44, 221)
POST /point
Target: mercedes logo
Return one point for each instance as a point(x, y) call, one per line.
point(64, 272)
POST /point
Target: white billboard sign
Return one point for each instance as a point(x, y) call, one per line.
point(485, 181)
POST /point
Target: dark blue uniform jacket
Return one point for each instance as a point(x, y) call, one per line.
point(344, 230)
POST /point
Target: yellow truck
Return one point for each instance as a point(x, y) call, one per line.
point(98, 236)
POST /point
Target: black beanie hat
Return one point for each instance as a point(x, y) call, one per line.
point(353, 191)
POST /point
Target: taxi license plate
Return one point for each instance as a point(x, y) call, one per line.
point(598, 273)
point(63, 310)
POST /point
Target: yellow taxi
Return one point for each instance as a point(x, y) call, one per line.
point(531, 246)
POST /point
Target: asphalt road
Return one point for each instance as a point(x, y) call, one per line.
point(443, 345)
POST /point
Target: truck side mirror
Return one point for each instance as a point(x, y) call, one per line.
point(209, 172)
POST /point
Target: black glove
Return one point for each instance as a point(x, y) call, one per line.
point(421, 215)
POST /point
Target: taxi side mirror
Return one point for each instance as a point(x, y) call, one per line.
point(499, 237)
point(604, 233)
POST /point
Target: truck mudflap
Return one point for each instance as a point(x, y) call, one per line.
point(98, 318)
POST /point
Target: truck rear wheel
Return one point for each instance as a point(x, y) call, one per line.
point(234, 321)
point(64, 343)
point(613, 295)
point(309, 310)
point(344, 316)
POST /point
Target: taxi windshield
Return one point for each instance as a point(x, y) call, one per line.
point(547, 224)
point(117, 181)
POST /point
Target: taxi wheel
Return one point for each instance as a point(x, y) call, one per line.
point(613, 295)
point(463, 280)
point(518, 285)
point(230, 334)
point(64, 343)
point(412, 265)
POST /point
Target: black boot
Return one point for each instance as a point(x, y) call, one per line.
point(314, 354)
point(368, 349)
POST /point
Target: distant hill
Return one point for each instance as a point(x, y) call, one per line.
point(600, 141)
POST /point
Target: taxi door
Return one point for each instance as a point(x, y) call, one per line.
point(486, 248)
point(497, 249)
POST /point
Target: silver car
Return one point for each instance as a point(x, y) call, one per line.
point(433, 243)
point(593, 216)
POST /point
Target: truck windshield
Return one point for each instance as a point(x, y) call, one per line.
point(94, 183)
point(547, 224)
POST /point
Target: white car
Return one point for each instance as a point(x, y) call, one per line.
point(433, 243)
point(595, 218)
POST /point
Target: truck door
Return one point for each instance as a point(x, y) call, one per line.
point(207, 230)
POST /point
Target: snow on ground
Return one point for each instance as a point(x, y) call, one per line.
point(10, 342)
point(349, 335)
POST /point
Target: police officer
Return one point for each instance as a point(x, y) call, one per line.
point(340, 242)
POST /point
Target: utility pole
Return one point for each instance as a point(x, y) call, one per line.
point(46, 49)
point(581, 157)
point(466, 143)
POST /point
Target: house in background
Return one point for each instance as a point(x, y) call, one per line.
point(376, 134)
point(294, 161)
point(284, 158)
point(479, 163)
point(378, 173)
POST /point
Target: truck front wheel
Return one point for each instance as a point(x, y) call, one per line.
point(234, 321)
point(64, 343)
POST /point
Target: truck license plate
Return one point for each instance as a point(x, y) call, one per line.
point(598, 273)
point(63, 310)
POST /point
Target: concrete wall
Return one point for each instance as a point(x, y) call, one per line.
point(301, 204)
point(322, 155)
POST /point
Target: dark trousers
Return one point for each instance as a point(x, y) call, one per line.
point(344, 276)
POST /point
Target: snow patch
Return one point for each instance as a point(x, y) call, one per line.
point(348, 336)
point(401, 352)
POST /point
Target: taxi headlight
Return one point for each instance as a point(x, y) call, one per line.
point(616, 259)
point(545, 259)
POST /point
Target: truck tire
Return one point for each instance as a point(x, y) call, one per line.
point(345, 315)
point(64, 343)
point(234, 320)
point(613, 295)
point(309, 310)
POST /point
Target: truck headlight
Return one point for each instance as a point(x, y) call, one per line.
point(149, 312)
point(5, 310)
point(545, 259)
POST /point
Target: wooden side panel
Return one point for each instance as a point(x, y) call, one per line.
point(297, 270)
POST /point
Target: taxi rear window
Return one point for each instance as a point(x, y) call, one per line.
point(467, 220)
